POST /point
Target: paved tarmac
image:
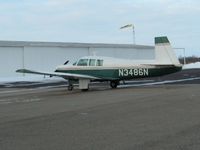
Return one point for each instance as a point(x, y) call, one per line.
point(159, 117)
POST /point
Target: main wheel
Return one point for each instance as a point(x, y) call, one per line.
point(84, 90)
point(114, 84)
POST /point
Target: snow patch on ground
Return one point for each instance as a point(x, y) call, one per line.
point(192, 66)
point(31, 79)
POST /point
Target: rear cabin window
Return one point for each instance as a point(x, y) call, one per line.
point(92, 62)
point(99, 62)
point(82, 62)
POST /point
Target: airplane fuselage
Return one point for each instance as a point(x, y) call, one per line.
point(121, 73)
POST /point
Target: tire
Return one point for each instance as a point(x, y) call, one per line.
point(114, 84)
point(70, 87)
point(84, 90)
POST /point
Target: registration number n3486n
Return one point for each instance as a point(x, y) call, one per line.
point(133, 72)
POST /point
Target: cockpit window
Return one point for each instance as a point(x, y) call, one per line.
point(89, 62)
point(99, 62)
point(82, 62)
point(92, 62)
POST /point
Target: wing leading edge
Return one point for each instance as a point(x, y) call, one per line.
point(58, 74)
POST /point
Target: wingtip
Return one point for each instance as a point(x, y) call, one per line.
point(20, 70)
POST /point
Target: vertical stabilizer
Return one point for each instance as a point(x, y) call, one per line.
point(164, 52)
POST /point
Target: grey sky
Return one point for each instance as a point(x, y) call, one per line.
point(100, 20)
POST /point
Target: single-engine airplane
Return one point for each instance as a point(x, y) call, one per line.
point(114, 70)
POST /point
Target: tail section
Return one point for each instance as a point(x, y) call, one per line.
point(164, 52)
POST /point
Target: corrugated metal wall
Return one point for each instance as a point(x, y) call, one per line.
point(11, 58)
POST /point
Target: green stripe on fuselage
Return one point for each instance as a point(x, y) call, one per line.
point(125, 73)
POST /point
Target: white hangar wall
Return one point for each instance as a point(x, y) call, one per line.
point(10, 59)
point(127, 53)
point(45, 56)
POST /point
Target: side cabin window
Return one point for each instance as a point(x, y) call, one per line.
point(92, 62)
point(99, 62)
point(82, 62)
point(89, 62)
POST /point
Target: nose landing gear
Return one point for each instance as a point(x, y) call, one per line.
point(70, 87)
point(114, 84)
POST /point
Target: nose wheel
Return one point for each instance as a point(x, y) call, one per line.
point(114, 84)
point(70, 87)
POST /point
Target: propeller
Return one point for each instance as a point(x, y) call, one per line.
point(66, 62)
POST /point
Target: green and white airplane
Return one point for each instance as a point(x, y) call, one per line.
point(97, 68)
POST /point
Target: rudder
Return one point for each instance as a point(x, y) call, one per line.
point(164, 52)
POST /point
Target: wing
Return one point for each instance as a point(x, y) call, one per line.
point(58, 74)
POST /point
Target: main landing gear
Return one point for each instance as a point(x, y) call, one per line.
point(114, 84)
point(83, 84)
point(71, 87)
